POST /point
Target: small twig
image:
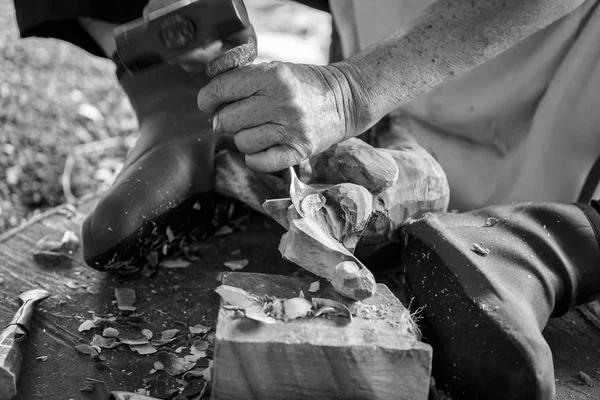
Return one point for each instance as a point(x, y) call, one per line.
point(95, 380)
point(66, 180)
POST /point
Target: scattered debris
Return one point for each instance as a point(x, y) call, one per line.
point(199, 329)
point(125, 299)
point(482, 251)
point(41, 358)
point(587, 379)
point(236, 265)
point(177, 263)
point(174, 365)
point(223, 231)
point(314, 287)
point(491, 221)
point(269, 310)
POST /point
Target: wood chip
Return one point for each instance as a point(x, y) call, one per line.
point(105, 343)
point(170, 234)
point(144, 349)
point(110, 333)
point(174, 365)
point(177, 263)
point(237, 297)
point(482, 251)
point(341, 309)
point(314, 287)
point(587, 379)
point(296, 307)
point(236, 265)
point(89, 324)
point(88, 387)
point(69, 242)
point(148, 333)
point(46, 259)
point(199, 329)
point(125, 299)
point(491, 221)
point(224, 230)
point(86, 349)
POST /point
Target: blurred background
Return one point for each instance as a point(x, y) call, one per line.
point(65, 124)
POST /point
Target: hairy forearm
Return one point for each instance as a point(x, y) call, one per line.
point(448, 39)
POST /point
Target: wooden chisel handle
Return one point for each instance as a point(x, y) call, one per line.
point(13, 342)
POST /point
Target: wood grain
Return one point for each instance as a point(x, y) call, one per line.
point(376, 356)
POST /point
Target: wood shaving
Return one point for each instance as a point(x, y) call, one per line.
point(148, 333)
point(587, 379)
point(482, 251)
point(125, 299)
point(198, 329)
point(236, 265)
point(89, 324)
point(41, 358)
point(144, 349)
point(177, 263)
point(106, 343)
point(314, 287)
point(174, 365)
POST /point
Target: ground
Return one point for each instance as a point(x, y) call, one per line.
point(66, 124)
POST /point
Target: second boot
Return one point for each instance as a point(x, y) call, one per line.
point(487, 282)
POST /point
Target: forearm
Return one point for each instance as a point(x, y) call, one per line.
point(451, 37)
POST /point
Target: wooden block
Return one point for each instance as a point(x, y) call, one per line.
point(376, 356)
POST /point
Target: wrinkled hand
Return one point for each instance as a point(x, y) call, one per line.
point(280, 113)
point(195, 61)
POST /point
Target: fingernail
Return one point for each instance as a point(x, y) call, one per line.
point(215, 122)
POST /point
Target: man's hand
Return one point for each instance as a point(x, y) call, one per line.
point(195, 61)
point(280, 113)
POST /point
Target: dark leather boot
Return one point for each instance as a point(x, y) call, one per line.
point(488, 281)
point(166, 182)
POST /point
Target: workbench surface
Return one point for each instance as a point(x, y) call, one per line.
point(175, 298)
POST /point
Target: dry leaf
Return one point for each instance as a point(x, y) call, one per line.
point(174, 365)
point(110, 332)
point(296, 308)
point(198, 329)
point(314, 287)
point(125, 299)
point(177, 263)
point(236, 265)
point(144, 349)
